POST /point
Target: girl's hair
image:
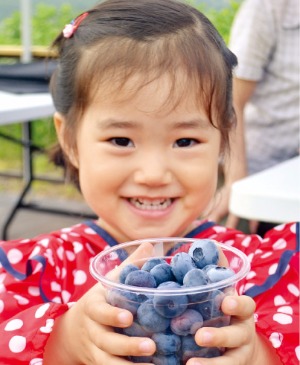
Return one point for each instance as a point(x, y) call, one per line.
point(148, 38)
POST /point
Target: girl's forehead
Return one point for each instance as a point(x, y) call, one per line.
point(160, 91)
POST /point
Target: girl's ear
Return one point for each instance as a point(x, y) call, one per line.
point(60, 123)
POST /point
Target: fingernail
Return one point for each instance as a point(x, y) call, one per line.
point(146, 347)
point(206, 337)
point(232, 304)
point(124, 318)
point(195, 362)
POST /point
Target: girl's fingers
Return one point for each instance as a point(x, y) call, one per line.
point(220, 360)
point(108, 315)
point(229, 336)
point(121, 345)
point(241, 307)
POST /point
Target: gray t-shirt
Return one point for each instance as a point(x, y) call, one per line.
point(265, 38)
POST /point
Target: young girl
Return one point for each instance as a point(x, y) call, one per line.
point(143, 99)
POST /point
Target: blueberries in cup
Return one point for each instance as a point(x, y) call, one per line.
point(173, 311)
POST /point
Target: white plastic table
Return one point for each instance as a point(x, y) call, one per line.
point(272, 195)
point(16, 108)
point(24, 108)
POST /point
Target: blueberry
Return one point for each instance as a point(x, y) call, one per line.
point(211, 308)
point(219, 273)
point(136, 330)
point(140, 278)
point(187, 323)
point(162, 272)
point(181, 263)
point(125, 271)
point(171, 305)
point(150, 319)
point(189, 348)
point(123, 299)
point(141, 359)
point(167, 343)
point(149, 264)
point(204, 252)
point(165, 360)
point(208, 267)
point(196, 277)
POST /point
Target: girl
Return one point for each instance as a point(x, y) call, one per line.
point(143, 99)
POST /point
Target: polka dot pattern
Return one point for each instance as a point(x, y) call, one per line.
point(66, 278)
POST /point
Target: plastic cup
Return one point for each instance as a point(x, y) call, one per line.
point(169, 316)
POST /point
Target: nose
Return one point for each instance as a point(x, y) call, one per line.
point(153, 170)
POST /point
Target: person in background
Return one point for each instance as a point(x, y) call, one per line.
point(265, 39)
point(143, 98)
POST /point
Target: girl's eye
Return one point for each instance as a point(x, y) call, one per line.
point(185, 142)
point(121, 142)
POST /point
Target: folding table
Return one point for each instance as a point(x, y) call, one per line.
point(272, 195)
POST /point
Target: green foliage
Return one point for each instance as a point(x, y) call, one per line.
point(221, 18)
point(47, 22)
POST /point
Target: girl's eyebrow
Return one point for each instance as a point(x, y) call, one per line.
point(114, 123)
point(192, 124)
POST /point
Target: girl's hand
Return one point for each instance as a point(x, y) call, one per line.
point(85, 335)
point(244, 346)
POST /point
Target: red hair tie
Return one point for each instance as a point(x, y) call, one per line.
point(70, 29)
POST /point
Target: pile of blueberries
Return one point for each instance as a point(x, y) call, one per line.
point(172, 319)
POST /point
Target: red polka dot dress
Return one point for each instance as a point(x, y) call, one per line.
point(41, 278)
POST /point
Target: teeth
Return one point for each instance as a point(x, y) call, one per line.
point(147, 204)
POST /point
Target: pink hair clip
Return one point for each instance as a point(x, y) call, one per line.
point(70, 28)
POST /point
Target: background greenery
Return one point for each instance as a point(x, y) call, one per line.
point(47, 22)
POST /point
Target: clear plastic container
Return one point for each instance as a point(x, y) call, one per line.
point(169, 315)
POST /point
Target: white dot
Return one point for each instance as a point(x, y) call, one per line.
point(89, 231)
point(21, 300)
point(34, 291)
point(48, 327)
point(35, 251)
point(68, 229)
point(246, 241)
point(251, 275)
point(266, 255)
point(279, 300)
point(13, 325)
point(285, 309)
point(70, 255)
point(272, 269)
point(282, 318)
point(276, 339)
point(60, 252)
point(292, 288)
point(56, 287)
point(78, 247)
point(44, 242)
point(42, 310)
point(293, 228)
point(279, 244)
point(14, 256)
point(2, 277)
point(36, 361)
point(219, 229)
point(65, 296)
point(80, 277)
point(17, 344)
point(297, 351)
point(1, 306)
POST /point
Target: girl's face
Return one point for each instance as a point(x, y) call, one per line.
point(145, 170)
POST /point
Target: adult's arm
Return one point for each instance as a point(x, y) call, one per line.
point(235, 164)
